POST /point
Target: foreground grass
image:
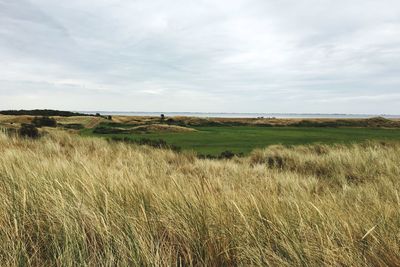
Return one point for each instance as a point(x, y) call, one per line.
point(73, 201)
point(244, 139)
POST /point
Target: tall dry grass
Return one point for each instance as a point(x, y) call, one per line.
point(69, 201)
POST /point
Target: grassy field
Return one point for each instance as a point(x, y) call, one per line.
point(73, 201)
point(243, 139)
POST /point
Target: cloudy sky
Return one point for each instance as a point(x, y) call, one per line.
point(313, 56)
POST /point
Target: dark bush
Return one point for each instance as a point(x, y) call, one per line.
point(28, 130)
point(74, 126)
point(207, 156)
point(170, 121)
point(157, 144)
point(226, 155)
point(162, 144)
point(107, 130)
point(44, 121)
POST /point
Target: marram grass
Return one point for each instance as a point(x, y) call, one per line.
point(71, 201)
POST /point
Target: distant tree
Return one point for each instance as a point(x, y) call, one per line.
point(42, 112)
point(109, 117)
point(162, 117)
point(28, 130)
point(98, 115)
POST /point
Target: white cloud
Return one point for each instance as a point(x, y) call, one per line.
point(176, 55)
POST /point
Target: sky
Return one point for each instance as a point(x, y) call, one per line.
point(297, 56)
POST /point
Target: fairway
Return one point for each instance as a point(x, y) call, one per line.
point(243, 139)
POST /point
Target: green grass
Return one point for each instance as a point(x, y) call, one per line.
point(214, 140)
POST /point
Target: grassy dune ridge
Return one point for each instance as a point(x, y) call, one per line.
point(73, 201)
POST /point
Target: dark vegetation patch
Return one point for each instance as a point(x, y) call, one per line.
point(118, 125)
point(44, 122)
point(223, 155)
point(28, 130)
point(72, 126)
point(42, 112)
point(160, 143)
point(110, 130)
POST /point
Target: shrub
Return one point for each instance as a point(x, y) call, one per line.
point(74, 126)
point(28, 130)
point(206, 156)
point(170, 121)
point(224, 155)
point(44, 121)
point(108, 130)
point(160, 143)
point(227, 155)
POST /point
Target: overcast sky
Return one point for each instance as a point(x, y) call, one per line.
point(313, 56)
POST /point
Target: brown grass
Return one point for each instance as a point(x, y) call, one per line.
point(91, 122)
point(87, 122)
point(71, 201)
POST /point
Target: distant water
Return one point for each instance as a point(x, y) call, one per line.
point(243, 115)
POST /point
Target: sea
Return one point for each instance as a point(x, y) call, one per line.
point(244, 115)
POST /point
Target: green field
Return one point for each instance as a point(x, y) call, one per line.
point(243, 139)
